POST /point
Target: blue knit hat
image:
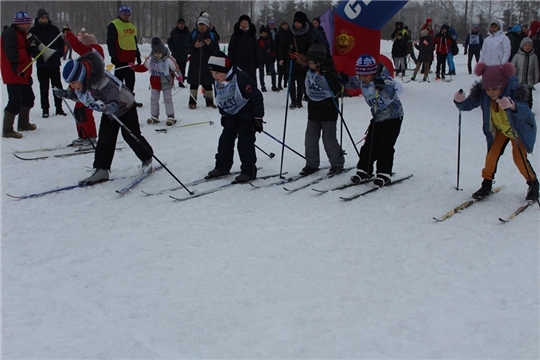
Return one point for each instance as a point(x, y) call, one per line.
point(124, 10)
point(73, 71)
point(366, 65)
point(22, 17)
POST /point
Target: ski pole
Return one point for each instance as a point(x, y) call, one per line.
point(79, 123)
point(271, 155)
point(459, 147)
point(149, 151)
point(285, 121)
point(294, 151)
point(38, 55)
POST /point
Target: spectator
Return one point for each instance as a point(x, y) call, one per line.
point(243, 47)
point(527, 69)
point(398, 27)
point(399, 52)
point(281, 53)
point(317, 24)
point(473, 44)
point(425, 52)
point(272, 28)
point(514, 34)
point(496, 48)
point(177, 44)
point(265, 56)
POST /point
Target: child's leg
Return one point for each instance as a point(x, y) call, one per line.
point(493, 155)
point(311, 143)
point(261, 73)
point(331, 144)
point(272, 72)
point(167, 99)
point(154, 103)
point(521, 160)
point(388, 132)
point(246, 148)
point(141, 147)
point(225, 153)
point(366, 160)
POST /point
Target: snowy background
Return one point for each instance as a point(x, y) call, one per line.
point(260, 273)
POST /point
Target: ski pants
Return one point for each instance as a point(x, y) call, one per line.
point(19, 95)
point(476, 55)
point(330, 142)
point(269, 64)
point(85, 121)
point(242, 127)
point(441, 64)
point(167, 99)
point(126, 75)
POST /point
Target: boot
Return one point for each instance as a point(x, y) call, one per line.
point(98, 175)
point(193, 98)
point(360, 177)
point(24, 120)
point(209, 97)
point(484, 191)
point(532, 192)
point(152, 120)
point(170, 120)
point(382, 180)
point(146, 166)
point(308, 170)
point(8, 131)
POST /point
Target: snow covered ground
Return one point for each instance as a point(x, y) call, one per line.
point(260, 273)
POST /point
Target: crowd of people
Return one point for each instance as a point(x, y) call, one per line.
point(507, 64)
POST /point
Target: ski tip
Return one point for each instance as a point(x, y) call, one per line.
point(503, 220)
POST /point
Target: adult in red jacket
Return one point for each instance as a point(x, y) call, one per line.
point(443, 46)
point(86, 125)
point(15, 55)
point(122, 46)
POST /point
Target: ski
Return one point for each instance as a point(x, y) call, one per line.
point(464, 205)
point(375, 188)
point(287, 180)
point(138, 179)
point(343, 186)
point(164, 130)
point(518, 211)
point(316, 181)
point(67, 154)
point(42, 149)
point(219, 188)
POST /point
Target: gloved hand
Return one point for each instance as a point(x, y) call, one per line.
point(131, 65)
point(379, 83)
point(459, 96)
point(179, 78)
point(258, 124)
point(33, 40)
point(114, 60)
point(66, 28)
point(60, 93)
point(293, 55)
point(322, 70)
point(139, 61)
point(110, 108)
point(505, 103)
point(343, 78)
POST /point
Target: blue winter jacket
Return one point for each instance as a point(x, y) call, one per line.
point(522, 120)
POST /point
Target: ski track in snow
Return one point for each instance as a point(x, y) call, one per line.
point(259, 273)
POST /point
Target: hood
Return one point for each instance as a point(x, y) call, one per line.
point(98, 68)
point(515, 29)
point(500, 23)
point(304, 29)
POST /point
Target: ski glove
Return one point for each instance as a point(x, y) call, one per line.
point(107, 109)
point(61, 93)
point(322, 70)
point(131, 65)
point(379, 83)
point(293, 55)
point(505, 103)
point(258, 124)
point(343, 78)
point(33, 40)
point(459, 96)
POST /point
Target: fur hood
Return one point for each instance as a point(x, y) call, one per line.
point(304, 29)
point(98, 67)
point(520, 91)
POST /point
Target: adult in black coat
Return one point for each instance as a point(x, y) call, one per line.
point(48, 70)
point(243, 47)
point(177, 44)
point(201, 44)
point(299, 40)
point(320, 36)
point(280, 43)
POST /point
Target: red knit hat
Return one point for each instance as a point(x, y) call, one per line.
point(494, 76)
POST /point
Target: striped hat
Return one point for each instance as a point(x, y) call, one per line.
point(219, 62)
point(73, 71)
point(22, 17)
point(366, 65)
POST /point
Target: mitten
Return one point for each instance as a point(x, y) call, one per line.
point(379, 83)
point(179, 78)
point(505, 103)
point(110, 108)
point(66, 28)
point(293, 55)
point(33, 40)
point(258, 124)
point(60, 93)
point(343, 78)
point(459, 96)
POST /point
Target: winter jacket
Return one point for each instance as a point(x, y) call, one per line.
point(398, 27)
point(399, 48)
point(522, 120)
point(46, 34)
point(243, 48)
point(281, 44)
point(102, 86)
point(15, 57)
point(443, 42)
point(115, 50)
point(473, 42)
point(515, 39)
point(387, 104)
point(526, 65)
point(81, 48)
point(198, 73)
point(162, 71)
point(319, 36)
point(265, 51)
point(299, 41)
point(425, 49)
point(177, 43)
point(496, 48)
point(321, 85)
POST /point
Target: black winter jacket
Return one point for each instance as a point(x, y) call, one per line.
point(46, 33)
point(243, 49)
point(177, 44)
point(198, 73)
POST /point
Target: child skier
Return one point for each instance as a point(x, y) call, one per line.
point(241, 106)
point(506, 118)
point(163, 69)
point(527, 69)
point(380, 93)
point(322, 87)
point(101, 91)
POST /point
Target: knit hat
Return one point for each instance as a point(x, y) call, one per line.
point(424, 33)
point(300, 17)
point(317, 52)
point(157, 45)
point(317, 19)
point(366, 65)
point(124, 10)
point(73, 71)
point(494, 76)
point(205, 14)
point(263, 29)
point(203, 20)
point(525, 40)
point(83, 30)
point(219, 62)
point(244, 17)
point(180, 21)
point(41, 13)
point(88, 39)
point(22, 18)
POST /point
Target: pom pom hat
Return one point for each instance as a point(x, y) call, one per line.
point(494, 76)
point(22, 17)
point(366, 65)
point(157, 46)
point(219, 62)
point(73, 71)
point(203, 20)
point(124, 10)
